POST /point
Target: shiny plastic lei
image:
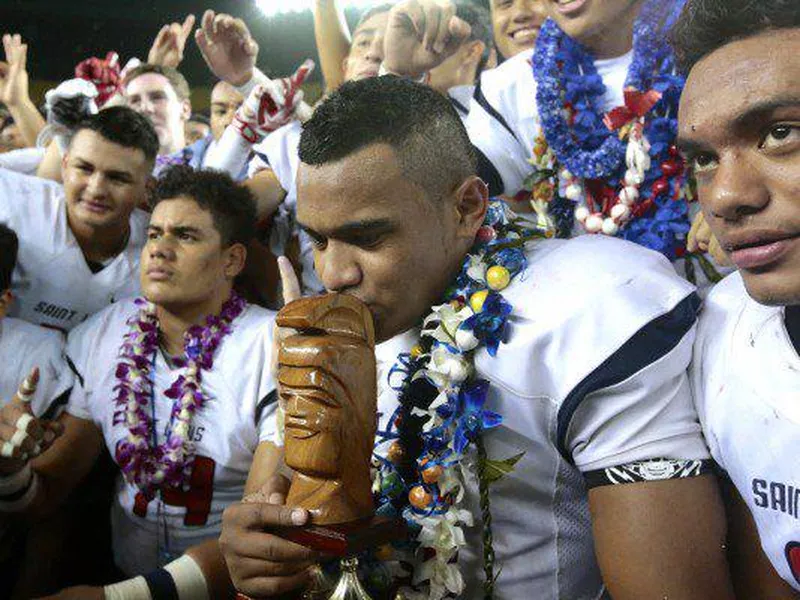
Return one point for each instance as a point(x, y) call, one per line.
point(167, 464)
point(428, 440)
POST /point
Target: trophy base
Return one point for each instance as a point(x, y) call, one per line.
point(346, 539)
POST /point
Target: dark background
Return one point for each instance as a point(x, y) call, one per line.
point(61, 33)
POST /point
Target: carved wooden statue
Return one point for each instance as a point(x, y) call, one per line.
point(327, 379)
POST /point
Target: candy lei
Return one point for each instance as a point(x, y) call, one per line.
point(622, 168)
point(168, 464)
point(441, 416)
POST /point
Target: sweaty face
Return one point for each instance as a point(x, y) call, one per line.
point(103, 181)
point(515, 24)
point(225, 100)
point(378, 236)
point(739, 126)
point(153, 96)
point(603, 26)
point(366, 50)
point(183, 263)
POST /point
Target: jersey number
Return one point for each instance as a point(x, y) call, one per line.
point(197, 499)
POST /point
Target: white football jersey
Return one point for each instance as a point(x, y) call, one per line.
point(746, 383)
point(24, 160)
point(503, 120)
point(237, 416)
point(53, 284)
point(24, 346)
point(279, 152)
point(592, 376)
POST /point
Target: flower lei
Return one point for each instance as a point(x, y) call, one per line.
point(170, 463)
point(622, 168)
point(441, 413)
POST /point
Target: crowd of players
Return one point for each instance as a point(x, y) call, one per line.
point(144, 250)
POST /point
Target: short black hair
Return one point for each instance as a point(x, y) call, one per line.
point(9, 246)
point(706, 25)
point(124, 126)
point(420, 125)
point(199, 118)
point(232, 206)
point(480, 22)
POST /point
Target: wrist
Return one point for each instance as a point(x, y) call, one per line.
point(21, 106)
point(387, 69)
point(256, 77)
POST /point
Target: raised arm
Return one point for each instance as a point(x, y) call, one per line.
point(333, 41)
point(14, 89)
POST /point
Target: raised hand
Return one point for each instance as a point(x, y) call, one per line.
point(22, 435)
point(421, 34)
point(103, 73)
point(260, 563)
point(227, 47)
point(272, 105)
point(13, 76)
point(167, 49)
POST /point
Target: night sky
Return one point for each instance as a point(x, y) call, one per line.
point(60, 33)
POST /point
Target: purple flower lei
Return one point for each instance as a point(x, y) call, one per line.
point(170, 463)
point(569, 99)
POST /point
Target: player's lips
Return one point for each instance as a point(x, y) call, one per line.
point(570, 7)
point(759, 248)
point(96, 207)
point(524, 35)
point(158, 273)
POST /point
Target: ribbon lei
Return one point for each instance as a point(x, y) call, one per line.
point(637, 105)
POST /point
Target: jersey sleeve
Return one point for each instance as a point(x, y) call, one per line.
point(502, 120)
point(78, 356)
point(55, 377)
point(266, 408)
point(637, 406)
point(27, 203)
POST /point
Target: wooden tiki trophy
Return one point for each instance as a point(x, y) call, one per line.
point(327, 378)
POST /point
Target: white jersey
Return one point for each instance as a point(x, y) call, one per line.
point(279, 152)
point(503, 120)
point(53, 284)
point(24, 346)
point(460, 97)
point(24, 160)
point(592, 377)
point(237, 416)
point(746, 382)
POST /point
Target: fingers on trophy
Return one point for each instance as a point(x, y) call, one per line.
point(21, 445)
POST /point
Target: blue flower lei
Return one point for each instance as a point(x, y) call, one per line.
point(442, 414)
point(568, 84)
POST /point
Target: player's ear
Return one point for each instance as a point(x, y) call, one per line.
point(471, 202)
point(235, 258)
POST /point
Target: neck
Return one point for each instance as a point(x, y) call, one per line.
point(100, 243)
point(616, 39)
point(175, 320)
point(177, 142)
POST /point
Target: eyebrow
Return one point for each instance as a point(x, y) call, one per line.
point(127, 175)
point(177, 230)
point(753, 115)
point(351, 230)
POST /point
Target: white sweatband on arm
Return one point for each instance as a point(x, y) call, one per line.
point(258, 78)
point(230, 154)
point(182, 578)
point(189, 578)
point(130, 589)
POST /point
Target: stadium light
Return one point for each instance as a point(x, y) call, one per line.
point(274, 8)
